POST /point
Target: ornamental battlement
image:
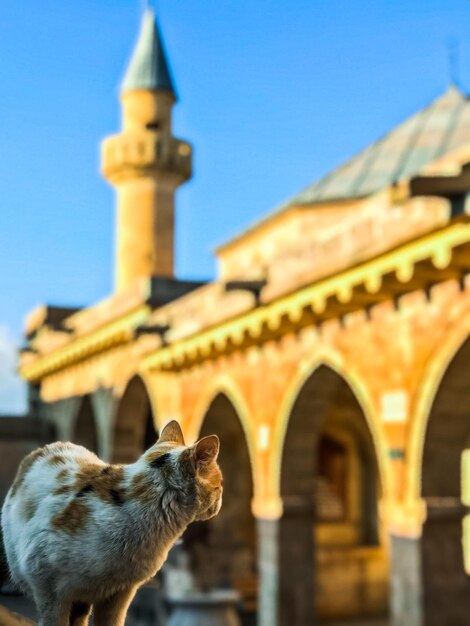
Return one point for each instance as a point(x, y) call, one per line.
point(131, 155)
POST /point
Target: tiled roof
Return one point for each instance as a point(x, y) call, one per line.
point(429, 134)
point(148, 67)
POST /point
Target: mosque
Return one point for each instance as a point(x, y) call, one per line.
point(330, 355)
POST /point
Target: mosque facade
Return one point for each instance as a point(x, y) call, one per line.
point(330, 355)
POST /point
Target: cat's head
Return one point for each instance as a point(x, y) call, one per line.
point(193, 468)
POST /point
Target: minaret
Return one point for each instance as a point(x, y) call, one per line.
point(145, 163)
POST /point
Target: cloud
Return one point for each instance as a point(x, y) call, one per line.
point(12, 388)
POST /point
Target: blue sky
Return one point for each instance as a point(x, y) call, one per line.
point(272, 94)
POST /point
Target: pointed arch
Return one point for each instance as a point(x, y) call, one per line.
point(431, 380)
point(223, 550)
point(84, 428)
point(440, 436)
point(151, 384)
point(333, 360)
point(329, 482)
point(134, 423)
point(226, 386)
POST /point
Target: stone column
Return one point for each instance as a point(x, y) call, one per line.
point(296, 562)
point(446, 585)
point(268, 572)
point(61, 415)
point(104, 405)
point(429, 585)
point(406, 593)
point(285, 565)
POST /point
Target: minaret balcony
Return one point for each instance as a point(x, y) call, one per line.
point(131, 155)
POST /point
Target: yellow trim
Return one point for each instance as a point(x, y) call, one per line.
point(110, 336)
point(436, 246)
point(401, 261)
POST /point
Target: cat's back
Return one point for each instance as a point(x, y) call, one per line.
point(40, 484)
point(47, 468)
point(38, 494)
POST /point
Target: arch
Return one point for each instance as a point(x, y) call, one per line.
point(223, 550)
point(134, 431)
point(148, 379)
point(333, 360)
point(448, 430)
point(84, 428)
point(134, 423)
point(444, 438)
point(329, 481)
point(226, 386)
point(431, 380)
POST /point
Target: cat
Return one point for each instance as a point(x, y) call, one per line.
point(81, 536)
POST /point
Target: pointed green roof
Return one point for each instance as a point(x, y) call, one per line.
point(148, 67)
point(441, 127)
point(436, 130)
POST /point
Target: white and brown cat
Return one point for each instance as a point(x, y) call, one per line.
point(82, 536)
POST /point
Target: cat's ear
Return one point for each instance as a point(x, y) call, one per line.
point(206, 450)
point(172, 432)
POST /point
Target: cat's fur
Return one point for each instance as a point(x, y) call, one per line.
point(80, 533)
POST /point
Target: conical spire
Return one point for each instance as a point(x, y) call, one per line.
point(148, 67)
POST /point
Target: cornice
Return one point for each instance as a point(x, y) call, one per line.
point(78, 349)
point(437, 257)
point(442, 255)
